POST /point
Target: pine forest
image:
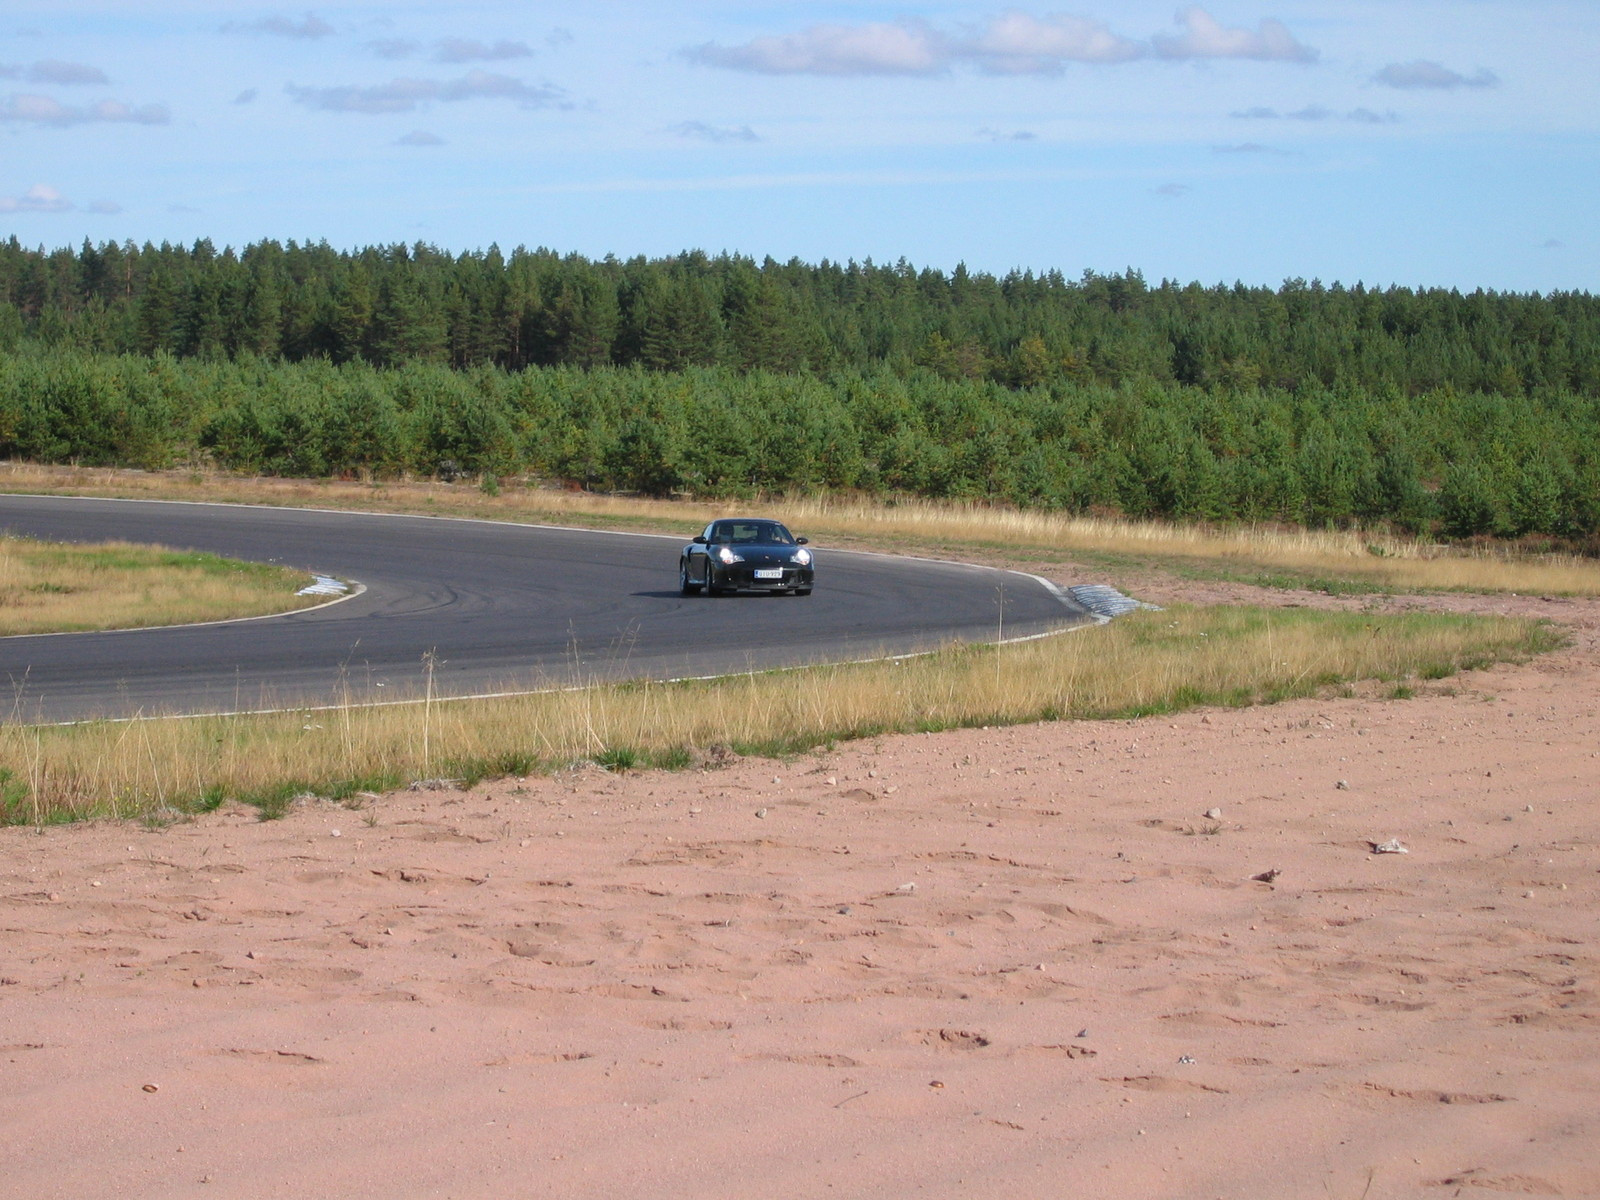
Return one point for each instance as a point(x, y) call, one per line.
point(1445, 413)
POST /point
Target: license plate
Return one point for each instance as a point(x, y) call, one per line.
point(767, 573)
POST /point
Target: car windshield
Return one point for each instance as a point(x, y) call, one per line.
point(760, 533)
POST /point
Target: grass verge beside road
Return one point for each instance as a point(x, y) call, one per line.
point(1146, 663)
point(52, 587)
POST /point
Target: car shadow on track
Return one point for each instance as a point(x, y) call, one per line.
point(675, 594)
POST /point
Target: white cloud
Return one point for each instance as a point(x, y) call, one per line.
point(53, 71)
point(715, 133)
point(1013, 43)
point(1204, 36)
point(44, 110)
point(40, 198)
point(1016, 43)
point(248, 96)
point(907, 47)
point(1016, 135)
point(393, 47)
point(407, 95)
point(310, 27)
point(1173, 190)
point(1316, 112)
point(460, 50)
point(452, 50)
point(420, 137)
point(105, 208)
point(117, 111)
point(1422, 73)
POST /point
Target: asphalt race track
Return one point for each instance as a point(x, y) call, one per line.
point(500, 607)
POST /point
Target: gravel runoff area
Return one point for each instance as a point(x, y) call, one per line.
point(1134, 959)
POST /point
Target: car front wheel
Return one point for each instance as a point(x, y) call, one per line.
point(684, 586)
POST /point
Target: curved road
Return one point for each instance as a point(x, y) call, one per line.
point(501, 607)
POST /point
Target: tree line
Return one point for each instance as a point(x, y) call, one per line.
point(1460, 462)
point(396, 305)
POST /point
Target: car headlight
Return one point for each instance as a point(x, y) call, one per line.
point(803, 557)
point(727, 557)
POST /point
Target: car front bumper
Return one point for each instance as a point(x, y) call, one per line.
point(742, 575)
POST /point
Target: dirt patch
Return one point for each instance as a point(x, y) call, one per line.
point(923, 970)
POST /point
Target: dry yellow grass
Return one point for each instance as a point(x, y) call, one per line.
point(1374, 560)
point(1149, 662)
point(1381, 560)
point(47, 587)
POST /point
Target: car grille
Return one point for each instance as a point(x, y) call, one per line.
point(743, 575)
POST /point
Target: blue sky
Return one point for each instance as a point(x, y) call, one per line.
point(1387, 141)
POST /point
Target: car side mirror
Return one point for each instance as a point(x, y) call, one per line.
point(700, 539)
point(802, 541)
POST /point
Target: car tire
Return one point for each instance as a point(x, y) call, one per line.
point(711, 582)
point(802, 591)
point(684, 586)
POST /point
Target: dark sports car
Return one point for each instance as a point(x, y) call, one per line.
point(745, 552)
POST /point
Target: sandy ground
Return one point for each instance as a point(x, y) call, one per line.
point(993, 963)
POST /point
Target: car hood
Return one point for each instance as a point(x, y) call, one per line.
point(765, 552)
